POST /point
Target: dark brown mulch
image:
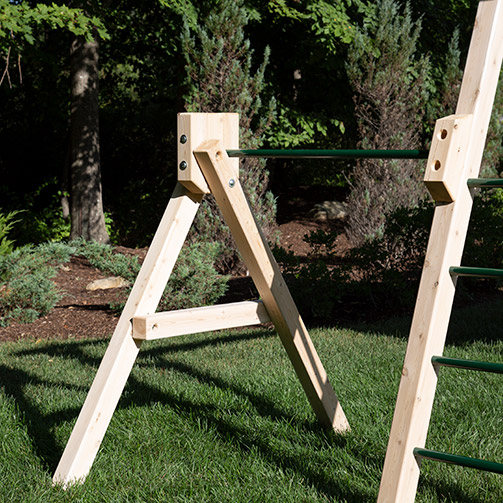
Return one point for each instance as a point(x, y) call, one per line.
point(79, 314)
point(83, 314)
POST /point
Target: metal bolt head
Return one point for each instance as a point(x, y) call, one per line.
point(232, 182)
point(183, 165)
point(183, 139)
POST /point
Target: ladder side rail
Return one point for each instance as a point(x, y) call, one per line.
point(445, 247)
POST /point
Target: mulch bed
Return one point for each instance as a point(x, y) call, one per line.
point(81, 313)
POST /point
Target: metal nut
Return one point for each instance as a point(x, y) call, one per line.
point(183, 165)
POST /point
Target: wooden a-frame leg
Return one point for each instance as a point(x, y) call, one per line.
point(227, 190)
point(122, 351)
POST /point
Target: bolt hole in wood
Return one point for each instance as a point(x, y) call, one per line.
point(437, 165)
point(443, 134)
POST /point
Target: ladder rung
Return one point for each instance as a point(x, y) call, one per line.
point(488, 183)
point(496, 368)
point(479, 272)
point(479, 464)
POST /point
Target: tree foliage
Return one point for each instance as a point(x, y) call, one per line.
point(391, 85)
point(21, 23)
point(144, 82)
point(221, 78)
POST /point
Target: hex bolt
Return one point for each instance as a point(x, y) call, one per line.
point(232, 182)
point(183, 165)
point(183, 139)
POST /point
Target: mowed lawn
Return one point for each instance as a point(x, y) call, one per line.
point(221, 417)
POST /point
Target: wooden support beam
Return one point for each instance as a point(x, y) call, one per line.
point(199, 319)
point(121, 354)
point(139, 310)
point(220, 176)
point(445, 247)
point(444, 169)
point(194, 128)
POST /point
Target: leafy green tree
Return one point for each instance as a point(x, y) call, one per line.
point(21, 25)
point(309, 42)
point(21, 21)
point(221, 78)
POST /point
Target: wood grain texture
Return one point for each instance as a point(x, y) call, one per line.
point(199, 319)
point(436, 291)
point(227, 190)
point(122, 351)
point(198, 127)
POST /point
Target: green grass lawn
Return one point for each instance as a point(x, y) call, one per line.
point(221, 417)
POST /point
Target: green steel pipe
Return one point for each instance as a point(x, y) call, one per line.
point(488, 183)
point(330, 154)
point(496, 368)
point(479, 272)
point(479, 464)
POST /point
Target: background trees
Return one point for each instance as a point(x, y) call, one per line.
point(159, 58)
point(220, 77)
point(391, 84)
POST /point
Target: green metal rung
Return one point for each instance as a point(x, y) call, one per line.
point(489, 183)
point(496, 368)
point(479, 464)
point(479, 272)
point(330, 154)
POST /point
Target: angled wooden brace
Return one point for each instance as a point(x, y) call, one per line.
point(220, 176)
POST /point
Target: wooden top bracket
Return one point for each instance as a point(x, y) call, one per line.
point(193, 129)
point(443, 176)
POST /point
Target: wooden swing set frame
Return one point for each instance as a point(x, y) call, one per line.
point(205, 167)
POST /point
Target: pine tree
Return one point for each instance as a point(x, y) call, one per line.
point(220, 78)
point(391, 90)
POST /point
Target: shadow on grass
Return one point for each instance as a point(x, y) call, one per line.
point(453, 492)
point(483, 321)
point(480, 321)
point(41, 426)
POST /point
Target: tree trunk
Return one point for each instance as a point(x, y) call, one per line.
point(87, 218)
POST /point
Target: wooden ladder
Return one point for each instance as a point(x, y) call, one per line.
point(451, 175)
point(203, 167)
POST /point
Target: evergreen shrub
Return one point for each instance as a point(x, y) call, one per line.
point(193, 282)
point(26, 287)
point(220, 78)
point(104, 258)
point(28, 292)
point(392, 86)
point(382, 274)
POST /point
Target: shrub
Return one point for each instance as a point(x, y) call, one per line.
point(26, 289)
point(42, 217)
point(389, 267)
point(220, 79)
point(386, 269)
point(104, 258)
point(193, 282)
point(391, 88)
point(7, 221)
point(484, 244)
